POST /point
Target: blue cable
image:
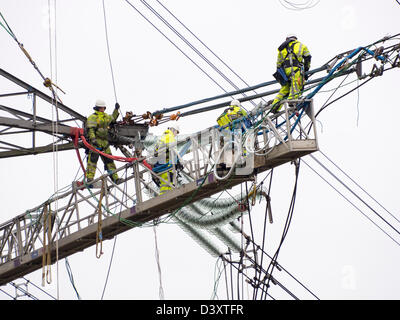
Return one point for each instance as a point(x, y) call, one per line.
point(325, 80)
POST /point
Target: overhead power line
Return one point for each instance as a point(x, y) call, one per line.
point(356, 195)
point(190, 45)
point(349, 201)
point(165, 36)
point(207, 47)
point(358, 185)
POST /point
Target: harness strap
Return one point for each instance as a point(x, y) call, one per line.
point(289, 62)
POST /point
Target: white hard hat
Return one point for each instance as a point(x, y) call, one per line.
point(100, 103)
point(235, 102)
point(174, 126)
point(291, 35)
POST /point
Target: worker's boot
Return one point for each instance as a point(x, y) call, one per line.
point(118, 181)
point(89, 182)
point(275, 109)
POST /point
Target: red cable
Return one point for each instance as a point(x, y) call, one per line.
point(76, 132)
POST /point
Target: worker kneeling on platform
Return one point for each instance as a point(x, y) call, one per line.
point(97, 126)
point(230, 114)
point(166, 141)
point(234, 123)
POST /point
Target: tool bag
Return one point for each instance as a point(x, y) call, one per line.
point(281, 76)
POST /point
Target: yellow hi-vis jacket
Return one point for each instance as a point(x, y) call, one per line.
point(98, 124)
point(300, 56)
point(167, 138)
point(230, 114)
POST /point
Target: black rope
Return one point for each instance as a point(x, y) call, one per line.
point(232, 265)
point(250, 221)
point(226, 279)
point(342, 96)
point(280, 267)
point(264, 228)
point(287, 225)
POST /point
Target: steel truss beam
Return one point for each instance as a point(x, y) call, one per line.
point(15, 122)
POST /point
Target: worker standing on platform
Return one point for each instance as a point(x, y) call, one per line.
point(168, 138)
point(294, 60)
point(97, 126)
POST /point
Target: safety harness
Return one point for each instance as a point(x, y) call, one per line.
point(280, 74)
point(290, 62)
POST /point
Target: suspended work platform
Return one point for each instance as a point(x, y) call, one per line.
point(83, 217)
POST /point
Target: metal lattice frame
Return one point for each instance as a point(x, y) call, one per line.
point(27, 125)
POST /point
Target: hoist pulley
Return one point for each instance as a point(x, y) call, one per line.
point(48, 83)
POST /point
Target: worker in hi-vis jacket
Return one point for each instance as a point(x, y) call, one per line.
point(230, 114)
point(294, 60)
point(97, 126)
point(168, 138)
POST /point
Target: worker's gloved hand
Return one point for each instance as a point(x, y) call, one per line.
point(306, 76)
point(117, 106)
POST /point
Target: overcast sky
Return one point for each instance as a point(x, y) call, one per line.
point(331, 247)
